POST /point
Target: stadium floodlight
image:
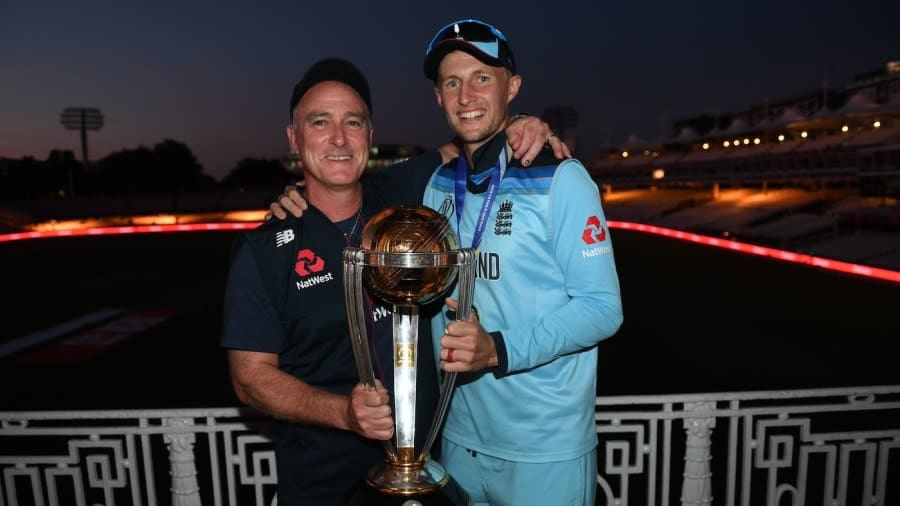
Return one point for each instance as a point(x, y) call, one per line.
point(83, 119)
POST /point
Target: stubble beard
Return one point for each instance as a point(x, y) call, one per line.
point(480, 137)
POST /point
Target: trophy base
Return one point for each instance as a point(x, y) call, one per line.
point(427, 485)
point(451, 494)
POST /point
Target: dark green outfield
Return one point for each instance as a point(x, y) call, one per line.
point(696, 319)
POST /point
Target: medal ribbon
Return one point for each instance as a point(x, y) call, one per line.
point(462, 174)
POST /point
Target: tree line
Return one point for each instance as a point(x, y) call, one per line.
point(167, 167)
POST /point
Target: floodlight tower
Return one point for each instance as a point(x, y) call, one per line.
point(84, 119)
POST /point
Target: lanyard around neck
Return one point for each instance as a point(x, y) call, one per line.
point(462, 175)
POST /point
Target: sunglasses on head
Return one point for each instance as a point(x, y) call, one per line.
point(478, 33)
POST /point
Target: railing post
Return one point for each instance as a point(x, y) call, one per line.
point(697, 485)
point(185, 489)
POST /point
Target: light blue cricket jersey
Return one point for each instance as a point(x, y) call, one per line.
point(547, 282)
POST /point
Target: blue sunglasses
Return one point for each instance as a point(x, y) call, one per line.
point(486, 38)
point(472, 31)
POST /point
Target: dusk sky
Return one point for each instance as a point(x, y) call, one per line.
point(217, 76)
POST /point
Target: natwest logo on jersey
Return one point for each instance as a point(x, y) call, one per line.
point(593, 232)
point(307, 266)
point(594, 235)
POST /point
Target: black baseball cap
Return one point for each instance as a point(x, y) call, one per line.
point(332, 69)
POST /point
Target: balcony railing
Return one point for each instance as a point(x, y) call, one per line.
point(837, 446)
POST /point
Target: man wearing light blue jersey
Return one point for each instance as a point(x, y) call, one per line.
point(520, 428)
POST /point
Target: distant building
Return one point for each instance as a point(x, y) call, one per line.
point(385, 155)
point(835, 135)
point(876, 87)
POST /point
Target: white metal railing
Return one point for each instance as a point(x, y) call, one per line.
point(790, 447)
point(825, 446)
point(183, 457)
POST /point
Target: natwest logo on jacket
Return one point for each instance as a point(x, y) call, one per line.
point(308, 267)
point(308, 263)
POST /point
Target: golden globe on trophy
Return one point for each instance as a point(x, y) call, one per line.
point(408, 256)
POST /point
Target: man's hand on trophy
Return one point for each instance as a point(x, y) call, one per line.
point(465, 345)
point(290, 201)
point(369, 412)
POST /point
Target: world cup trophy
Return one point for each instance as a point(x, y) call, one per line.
point(408, 257)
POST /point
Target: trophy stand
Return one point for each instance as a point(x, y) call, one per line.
point(411, 260)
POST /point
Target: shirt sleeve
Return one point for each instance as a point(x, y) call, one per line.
point(405, 182)
point(250, 321)
point(582, 247)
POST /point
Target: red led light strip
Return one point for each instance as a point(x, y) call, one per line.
point(787, 256)
point(752, 249)
point(134, 229)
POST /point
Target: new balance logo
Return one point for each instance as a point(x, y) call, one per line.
point(283, 237)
